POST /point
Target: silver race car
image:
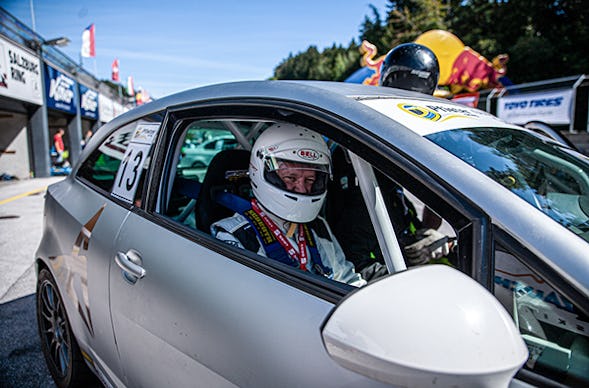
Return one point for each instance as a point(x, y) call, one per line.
point(134, 290)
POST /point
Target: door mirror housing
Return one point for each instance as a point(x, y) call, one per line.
point(429, 325)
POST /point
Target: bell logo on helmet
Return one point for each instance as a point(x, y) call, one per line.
point(308, 154)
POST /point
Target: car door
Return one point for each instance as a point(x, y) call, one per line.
point(208, 314)
point(198, 317)
point(83, 267)
point(92, 221)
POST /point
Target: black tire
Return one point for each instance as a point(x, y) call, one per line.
point(62, 354)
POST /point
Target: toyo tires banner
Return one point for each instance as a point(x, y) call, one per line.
point(553, 107)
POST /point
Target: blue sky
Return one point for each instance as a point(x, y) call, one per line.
point(173, 45)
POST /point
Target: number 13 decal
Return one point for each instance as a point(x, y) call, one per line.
point(130, 171)
point(136, 165)
point(131, 167)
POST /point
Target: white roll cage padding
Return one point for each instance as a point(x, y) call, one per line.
point(383, 227)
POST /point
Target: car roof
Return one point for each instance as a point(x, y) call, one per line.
point(287, 90)
point(331, 95)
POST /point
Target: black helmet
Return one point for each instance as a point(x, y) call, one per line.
point(410, 66)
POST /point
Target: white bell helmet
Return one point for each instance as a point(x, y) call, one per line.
point(289, 169)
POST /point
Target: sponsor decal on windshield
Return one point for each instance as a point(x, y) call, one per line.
point(425, 117)
point(436, 112)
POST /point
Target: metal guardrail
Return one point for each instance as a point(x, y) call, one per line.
point(555, 83)
point(574, 102)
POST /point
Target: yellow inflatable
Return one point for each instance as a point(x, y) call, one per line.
point(462, 68)
point(447, 48)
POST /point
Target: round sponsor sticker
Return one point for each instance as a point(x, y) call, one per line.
point(420, 111)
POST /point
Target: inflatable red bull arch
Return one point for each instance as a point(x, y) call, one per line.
point(463, 71)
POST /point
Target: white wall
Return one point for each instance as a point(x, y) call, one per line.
point(14, 149)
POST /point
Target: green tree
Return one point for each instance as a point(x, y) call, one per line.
point(543, 38)
point(407, 19)
point(373, 30)
point(333, 64)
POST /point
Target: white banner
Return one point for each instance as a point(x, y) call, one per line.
point(109, 109)
point(105, 108)
point(20, 73)
point(553, 107)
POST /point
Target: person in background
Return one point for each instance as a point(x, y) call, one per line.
point(87, 137)
point(414, 67)
point(59, 147)
point(411, 67)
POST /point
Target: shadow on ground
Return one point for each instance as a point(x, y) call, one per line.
point(21, 361)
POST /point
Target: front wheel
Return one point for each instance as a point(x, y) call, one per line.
point(62, 354)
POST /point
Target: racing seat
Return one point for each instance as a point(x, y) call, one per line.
point(217, 180)
point(347, 214)
point(183, 198)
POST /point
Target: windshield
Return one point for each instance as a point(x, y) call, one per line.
point(551, 178)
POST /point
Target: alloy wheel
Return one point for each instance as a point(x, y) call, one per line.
point(54, 328)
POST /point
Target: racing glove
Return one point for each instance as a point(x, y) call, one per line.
point(430, 244)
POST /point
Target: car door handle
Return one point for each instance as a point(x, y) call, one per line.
point(130, 263)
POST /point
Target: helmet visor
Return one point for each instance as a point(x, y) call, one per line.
point(296, 177)
point(409, 79)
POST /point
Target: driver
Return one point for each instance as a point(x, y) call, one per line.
point(289, 170)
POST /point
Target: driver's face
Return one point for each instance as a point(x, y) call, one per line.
point(296, 177)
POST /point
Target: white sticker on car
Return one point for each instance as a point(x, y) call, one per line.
point(426, 117)
point(131, 168)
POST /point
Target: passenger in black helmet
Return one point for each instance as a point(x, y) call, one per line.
point(410, 66)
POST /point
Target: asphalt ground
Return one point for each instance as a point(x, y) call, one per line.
point(21, 221)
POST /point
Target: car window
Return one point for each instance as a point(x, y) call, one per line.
point(198, 144)
point(551, 178)
point(411, 219)
point(553, 328)
point(198, 180)
point(201, 174)
point(117, 165)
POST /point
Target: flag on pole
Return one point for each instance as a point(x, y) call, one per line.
point(115, 70)
point(130, 90)
point(88, 48)
point(139, 96)
point(145, 96)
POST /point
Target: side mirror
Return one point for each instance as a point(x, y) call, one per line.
point(430, 325)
